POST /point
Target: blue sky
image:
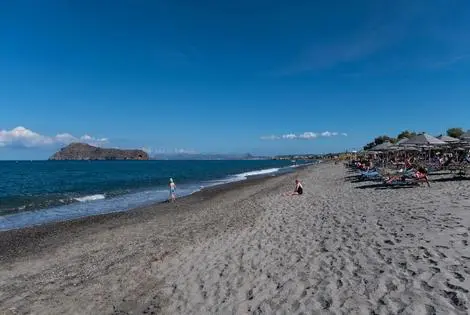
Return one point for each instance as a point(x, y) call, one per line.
point(229, 76)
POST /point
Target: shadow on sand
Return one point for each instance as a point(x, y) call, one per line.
point(456, 178)
point(386, 186)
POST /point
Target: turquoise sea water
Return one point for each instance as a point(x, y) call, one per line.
point(43, 191)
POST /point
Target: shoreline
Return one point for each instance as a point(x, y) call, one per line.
point(24, 240)
point(117, 203)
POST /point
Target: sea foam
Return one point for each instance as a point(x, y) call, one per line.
point(243, 176)
point(90, 198)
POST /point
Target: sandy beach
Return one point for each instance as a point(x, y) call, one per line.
point(341, 248)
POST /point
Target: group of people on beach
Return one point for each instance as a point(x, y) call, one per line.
point(409, 169)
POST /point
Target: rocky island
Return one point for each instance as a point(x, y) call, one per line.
point(83, 151)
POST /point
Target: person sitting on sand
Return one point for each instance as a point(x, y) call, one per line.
point(299, 190)
point(172, 186)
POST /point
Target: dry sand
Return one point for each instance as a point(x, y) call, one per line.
point(341, 248)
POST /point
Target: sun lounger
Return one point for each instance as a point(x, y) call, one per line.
point(408, 178)
point(401, 182)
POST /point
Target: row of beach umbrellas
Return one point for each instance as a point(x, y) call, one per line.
point(422, 141)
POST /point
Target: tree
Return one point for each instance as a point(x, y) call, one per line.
point(406, 134)
point(455, 132)
point(369, 146)
point(379, 140)
point(382, 139)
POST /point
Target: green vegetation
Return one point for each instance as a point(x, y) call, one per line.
point(406, 134)
point(455, 132)
point(379, 140)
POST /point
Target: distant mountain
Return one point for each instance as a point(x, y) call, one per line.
point(83, 151)
point(200, 156)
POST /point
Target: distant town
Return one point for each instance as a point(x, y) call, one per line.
point(291, 157)
point(305, 156)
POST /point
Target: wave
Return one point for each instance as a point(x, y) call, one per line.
point(243, 176)
point(302, 165)
point(90, 198)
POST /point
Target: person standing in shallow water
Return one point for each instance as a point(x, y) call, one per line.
point(172, 186)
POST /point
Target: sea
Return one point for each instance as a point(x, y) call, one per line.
point(38, 192)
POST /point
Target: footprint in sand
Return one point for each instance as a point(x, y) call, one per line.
point(325, 302)
point(455, 300)
point(339, 283)
point(426, 286)
point(391, 286)
point(456, 287)
point(430, 310)
point(250, 295)
point(435, 270)
point(426, 253)
point(402, 265)
point(459, 277)
point(442, 255)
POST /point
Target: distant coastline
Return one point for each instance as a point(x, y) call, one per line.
point(214, 157)
point(208, 156)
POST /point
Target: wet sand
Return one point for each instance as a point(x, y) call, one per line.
point(341, 248)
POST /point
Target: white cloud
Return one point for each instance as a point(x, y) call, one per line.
point(308, 135)
point(289, 136)
point(91, 140)
point(344, 134)
point(65, 137)
point(23, 137)
point(272, 137)
point(329, 134)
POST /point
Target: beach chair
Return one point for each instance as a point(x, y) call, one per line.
point(374, 174)
point(370, 176)
point(408, 178)
point(434, 167)
point(463, 169)
point(394, 182)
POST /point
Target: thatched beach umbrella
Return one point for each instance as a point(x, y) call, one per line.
point(423, 140)
point(396, 146)
point(402, 140)
point(466, 136)
point(411, 149)
point(382, 147)
point(448, 139)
